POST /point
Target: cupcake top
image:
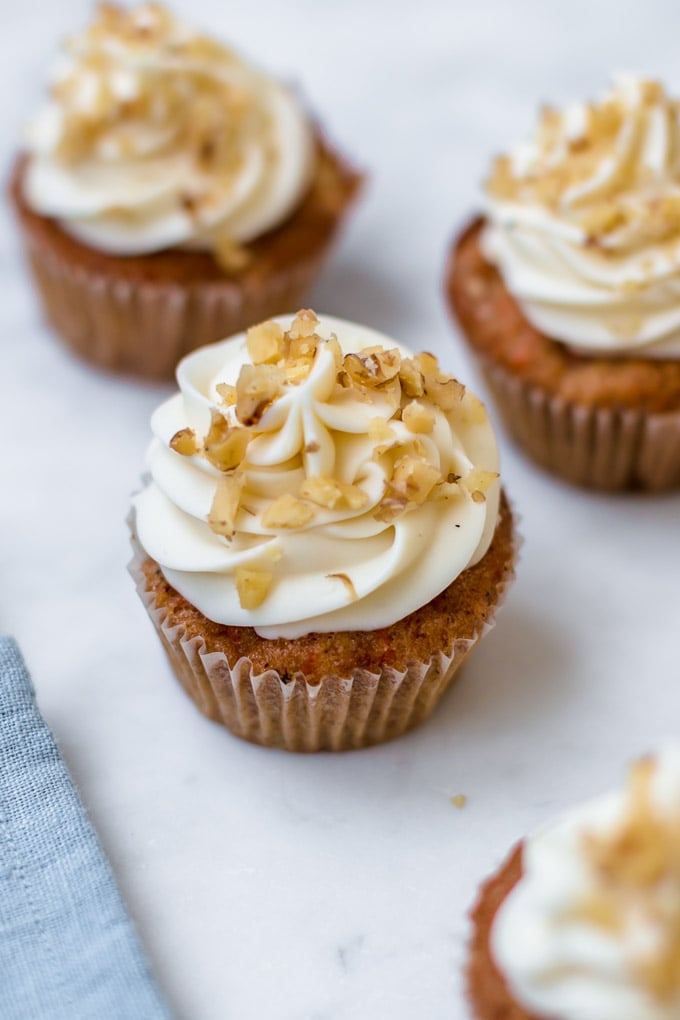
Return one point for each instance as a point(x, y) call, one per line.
point(155, 136)
point(312, 475)
point(584, 223)
point(592, 929)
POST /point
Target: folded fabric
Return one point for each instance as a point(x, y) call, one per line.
point(68, 949)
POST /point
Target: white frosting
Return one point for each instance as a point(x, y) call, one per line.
point(156, 137)
point(584, 224)
point(560, 964)
point(313, 429)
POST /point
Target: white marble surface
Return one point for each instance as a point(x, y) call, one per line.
point(268, 885)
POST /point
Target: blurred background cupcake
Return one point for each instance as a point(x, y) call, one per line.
point(323, 539)
point(582, 922)
point(568, 289)
point(169, 193)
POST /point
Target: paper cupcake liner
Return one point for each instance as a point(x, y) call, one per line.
point(143, 328)
point(336, 714)
point(613, 449)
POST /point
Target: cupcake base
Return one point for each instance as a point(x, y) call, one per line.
point(140, 314)
point(610, 424)
point(489, 995)
point(330, 692)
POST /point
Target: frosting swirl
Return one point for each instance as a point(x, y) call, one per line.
point(592, 929)
point(156, 136)
point(584, 223)
point(314, 476)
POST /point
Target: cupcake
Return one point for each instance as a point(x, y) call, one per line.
point(582, 922)
point(568, 290)
point(169, 193)
point(323, 539)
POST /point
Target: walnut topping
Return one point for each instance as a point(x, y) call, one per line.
point(478, 482)
point(417, 418)
point(412, 482)
point(298, 370)
point(227, 393)
point(265, 343)
point(225, 445)
point(287, 511)
point(373, 366)
point(252, 586)
point(411, 378)
point(304, 324)
point(332, 494)
point(184, 442)
point(257, 387)
point(225, 504)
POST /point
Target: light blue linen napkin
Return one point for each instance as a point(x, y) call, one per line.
point(68, 949)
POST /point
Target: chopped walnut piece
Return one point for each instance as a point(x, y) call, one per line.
point(303, 346)
point(265, 343)
point(478, 482)
point(227, 393)
point(414, 478)
point(287, 511)
point(444, 391)
point(257, 387)
point(417, 418)
point(184, 442)
point(225, 445)
point(445, 490)
point(373, 366)
point(225, 504)
point(332, 494)
point(252, 586)
point(411, 377)
point(298, 370)
point(304, 324)
point(428, 364)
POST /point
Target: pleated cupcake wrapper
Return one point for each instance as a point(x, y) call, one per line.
point(337, 714)
point(596, 447)
point(144, 327)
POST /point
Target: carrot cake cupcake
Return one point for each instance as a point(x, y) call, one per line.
point(582, 922)
point(170, 193)
point(568, 289)
point(323, 538)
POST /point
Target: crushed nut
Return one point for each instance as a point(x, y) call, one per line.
point(252, 586)
point(332, 494)
point(459, 800)
point(478, 482)
point(287, 511)
point(265, 343)
point(184, 442)
point(304, 324)
point(414, 478)
point(417, 418)
point(225, 504)
point(227, 393)
point(225, 445)
point(373, 366)
point(411, 377)
point(257, 387)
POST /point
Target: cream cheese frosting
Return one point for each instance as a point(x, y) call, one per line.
point(592, 929)
point(314, 476)
point(583, 222)
point(155, 136)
